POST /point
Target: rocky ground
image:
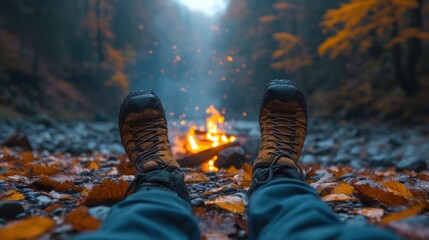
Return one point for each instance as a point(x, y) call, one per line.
point(367, 172)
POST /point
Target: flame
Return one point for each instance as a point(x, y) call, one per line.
point(212, 135)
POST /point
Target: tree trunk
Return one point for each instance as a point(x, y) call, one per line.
point(397, 62)
point(100, 47)
point(414, 51)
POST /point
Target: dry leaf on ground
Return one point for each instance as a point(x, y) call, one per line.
point(196, 178)
point(324, 188)
point(372, 213)
point(336, 197)
point(46, 183)
point(371, 191)
point(27, 228)
point(81, 220)
point(243, 178)
point(108, 192)
point(11, 195)
point(37, 169)
point(409, 212)
point(233, 204)
point(344, 188)
point(397, 188)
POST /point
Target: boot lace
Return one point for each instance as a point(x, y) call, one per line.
point(285, 144)
point(145, 133)
point(148, 133)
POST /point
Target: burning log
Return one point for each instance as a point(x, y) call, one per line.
point(203, 156)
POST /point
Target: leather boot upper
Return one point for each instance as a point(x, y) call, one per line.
point(144, 134)
point(283, 123)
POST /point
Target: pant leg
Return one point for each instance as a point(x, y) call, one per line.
point(287, 208)
point(153, 214)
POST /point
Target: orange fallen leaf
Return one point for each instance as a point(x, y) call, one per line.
point(11, 195)
point(324, 188)
point(81, 220)
point(85, 192)
point(398, 188)
point(336, 197)
point(409, 212)
point(243, 178)
point(27, 156)
point(232, 204)
point(108, 192)
point(46, 183)
point(248, 168)
point(6, 151)
point(36, 170)
point(423, 176)
point(371, 191)
point(92, 165)
point(195, 178)
point(339, 171)
point(53, 207)
point(28, 228)
point(344, 189)
point(373, 213)
point(232, 170)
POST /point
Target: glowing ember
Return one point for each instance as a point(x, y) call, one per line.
point(212, 135)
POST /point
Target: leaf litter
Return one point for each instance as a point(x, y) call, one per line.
point(219, 199)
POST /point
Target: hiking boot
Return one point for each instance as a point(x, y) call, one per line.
point(144, 134)
point(283, 123)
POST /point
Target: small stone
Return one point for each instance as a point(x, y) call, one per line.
point(99, 212)
point(43, 200)
point(342, 159)
point(348, 175)
point(412, 163)
point(230, 189)
point(32, 194)
point(308, 159)
point(197, 202)
point(9, 210)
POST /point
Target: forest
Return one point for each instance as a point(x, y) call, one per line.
point(78, 59)
point(66, 66)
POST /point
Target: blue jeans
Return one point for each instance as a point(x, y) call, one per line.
point(284, 208)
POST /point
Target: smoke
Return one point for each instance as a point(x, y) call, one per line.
point(177, 67)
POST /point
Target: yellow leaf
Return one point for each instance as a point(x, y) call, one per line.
point(409, 212)
point(398, 188)
point(371, 191)
point(92, 165)
point(344, 189)
point(336, 197)
point(232, 204)
point(28, 228)
point(12, 195)
point(373, 213)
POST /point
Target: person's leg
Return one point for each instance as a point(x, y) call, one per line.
point(151, 214)
point(288, 208)
point(282, 205)
point(159, 207)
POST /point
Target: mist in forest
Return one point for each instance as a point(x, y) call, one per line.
point(79, 59)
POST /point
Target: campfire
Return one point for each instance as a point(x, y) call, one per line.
point(202, 143)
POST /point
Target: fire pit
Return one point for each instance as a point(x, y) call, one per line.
point(201, 145)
